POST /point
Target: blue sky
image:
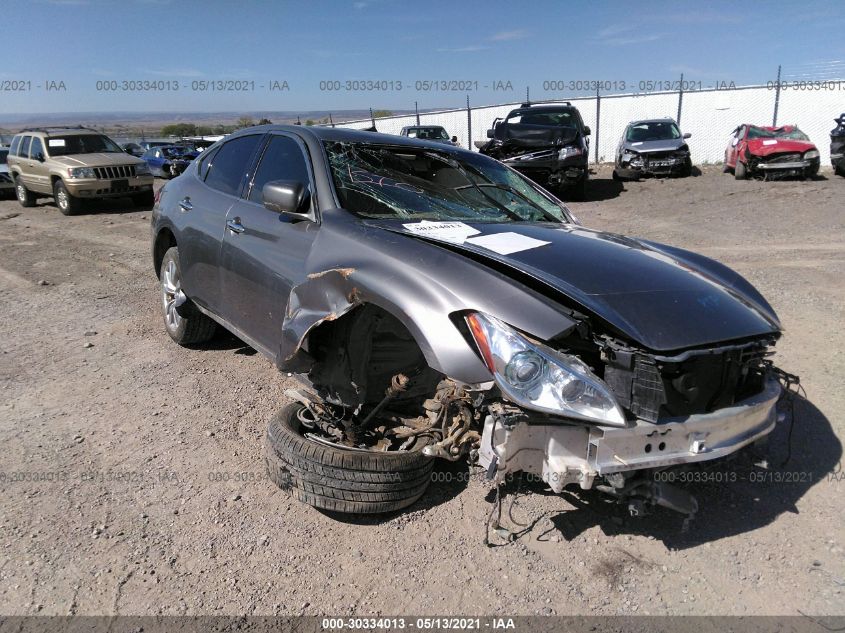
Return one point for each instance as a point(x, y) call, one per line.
point(526, 43)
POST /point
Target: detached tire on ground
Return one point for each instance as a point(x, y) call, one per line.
point(339, 480)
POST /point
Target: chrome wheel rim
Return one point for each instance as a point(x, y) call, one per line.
point(21, 192)
point(61, 199)
point(171, 287)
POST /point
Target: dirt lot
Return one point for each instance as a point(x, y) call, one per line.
point(132, 479)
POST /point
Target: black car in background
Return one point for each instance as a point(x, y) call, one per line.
point(548, 143)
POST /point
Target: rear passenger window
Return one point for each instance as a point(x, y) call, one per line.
point(13, 150)
point(205, 162)
point(24, 149)
point(36, 148)
point(282, 160)
point(228, 167)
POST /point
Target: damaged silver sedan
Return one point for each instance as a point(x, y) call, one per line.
point(437, 304)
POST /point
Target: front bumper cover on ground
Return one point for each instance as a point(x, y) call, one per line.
point(563, 454)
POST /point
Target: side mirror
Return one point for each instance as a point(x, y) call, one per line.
point(587, 130)
point(489, 133)
point(40, 157)
point(454, 139)
point(687, 135)
point(287, 197)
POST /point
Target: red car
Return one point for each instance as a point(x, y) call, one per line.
point(770, 152)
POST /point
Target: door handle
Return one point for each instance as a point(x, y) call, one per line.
point(235, 226)
point(185, 204)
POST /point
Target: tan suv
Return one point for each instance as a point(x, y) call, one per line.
point(74, 165)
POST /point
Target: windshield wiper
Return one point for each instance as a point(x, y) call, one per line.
point(519, 194)
point(455, 164)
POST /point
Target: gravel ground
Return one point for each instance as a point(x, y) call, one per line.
point(132, 480)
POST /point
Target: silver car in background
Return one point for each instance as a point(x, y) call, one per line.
point(653, 147)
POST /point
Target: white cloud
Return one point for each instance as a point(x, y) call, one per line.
point(504, 36)
point(175, 72)
point(463, 49)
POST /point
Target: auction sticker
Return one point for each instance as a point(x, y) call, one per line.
point(455, 232)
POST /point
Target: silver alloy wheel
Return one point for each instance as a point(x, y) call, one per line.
point(62, 199)
point(21, 191)
point(171, 288)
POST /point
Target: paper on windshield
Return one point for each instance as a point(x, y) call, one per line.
point(455, 232)
point(771, 142)
point(55, 142)
point(506, 243)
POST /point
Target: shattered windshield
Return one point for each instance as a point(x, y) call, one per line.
point(792, 133)
point(405, 182)
point(653, 131)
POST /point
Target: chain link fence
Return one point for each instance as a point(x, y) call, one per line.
point(708, 115)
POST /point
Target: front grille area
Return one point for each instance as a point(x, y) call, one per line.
point(783, 158)
point(115, 171)
point(653, 387)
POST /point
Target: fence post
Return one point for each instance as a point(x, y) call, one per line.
point(598, 119)
point(680, 99)
point(417, 111)
point(777, 100)
point(469, 126)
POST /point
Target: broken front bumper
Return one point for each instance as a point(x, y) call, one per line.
point(801, 168)
point(643, 166)
point(549, 170)
point(563, 454)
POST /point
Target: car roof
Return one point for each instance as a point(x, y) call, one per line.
point(419, 127)
point(772, 128)
point(663, 120)
point(551, 107)
point(59, 131)
point(340, 134)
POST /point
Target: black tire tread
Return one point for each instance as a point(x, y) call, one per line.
point(342, 481)
point(353, 507)
point(358, 482)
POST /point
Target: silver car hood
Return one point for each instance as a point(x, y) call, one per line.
point(654, 146)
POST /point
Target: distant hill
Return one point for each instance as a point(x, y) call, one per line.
point(151, 122)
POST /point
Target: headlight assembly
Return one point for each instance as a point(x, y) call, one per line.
point(81, 172)
point(813, 153)
point(566, 152)
point(537, 377)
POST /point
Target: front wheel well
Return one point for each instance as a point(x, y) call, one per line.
point(164, 240)
point(357, 355)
